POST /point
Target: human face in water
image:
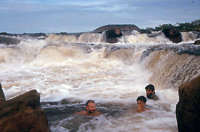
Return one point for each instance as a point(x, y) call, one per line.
point(140, 106)
point(149, 93)
point(90, 108)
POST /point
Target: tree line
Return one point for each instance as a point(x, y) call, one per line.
point(182, 27)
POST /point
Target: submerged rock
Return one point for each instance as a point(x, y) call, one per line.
point(188, 107)
point(23, 114)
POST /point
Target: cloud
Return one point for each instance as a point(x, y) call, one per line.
point(38, 5)
point(87, 5)
point(79, 15)
point(57, 2)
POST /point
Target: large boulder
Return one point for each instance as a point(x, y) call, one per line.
point(173, 35)
point(23, 114)
point(188, 107)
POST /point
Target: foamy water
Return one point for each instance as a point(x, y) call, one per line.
point(69, 70)
point(113, 76)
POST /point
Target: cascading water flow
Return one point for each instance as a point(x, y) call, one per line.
point(68, 70)
point(133, 37)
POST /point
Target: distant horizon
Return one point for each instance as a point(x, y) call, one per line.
point(52, 16)
point(91, 30)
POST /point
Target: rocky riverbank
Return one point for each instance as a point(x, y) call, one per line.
point(22, 113)
point(188, 107)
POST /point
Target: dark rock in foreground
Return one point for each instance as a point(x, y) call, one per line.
point(23, 114)
point(188, 107)
point(173, 35)
point(8, 40)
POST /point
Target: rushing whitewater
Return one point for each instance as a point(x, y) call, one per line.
point(67, 70)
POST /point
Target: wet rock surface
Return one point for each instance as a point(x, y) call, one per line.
point(23, 114)
point(188, 107)
point(173, 35)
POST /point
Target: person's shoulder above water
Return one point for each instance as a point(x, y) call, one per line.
point(154, 97)
point(81, 113)
point(90, 109)
point(85, 113)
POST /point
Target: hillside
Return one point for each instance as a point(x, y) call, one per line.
point(120, 27)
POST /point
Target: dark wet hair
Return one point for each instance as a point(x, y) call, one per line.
point(150, 86)
point(142, 98)
point(89, 101)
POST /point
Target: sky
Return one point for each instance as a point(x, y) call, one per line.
point(54, 16)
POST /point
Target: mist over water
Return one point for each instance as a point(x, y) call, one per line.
point(69, 70)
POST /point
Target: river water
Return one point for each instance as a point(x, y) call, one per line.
point(67, 74)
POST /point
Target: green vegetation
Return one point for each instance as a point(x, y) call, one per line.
point(183, 27)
